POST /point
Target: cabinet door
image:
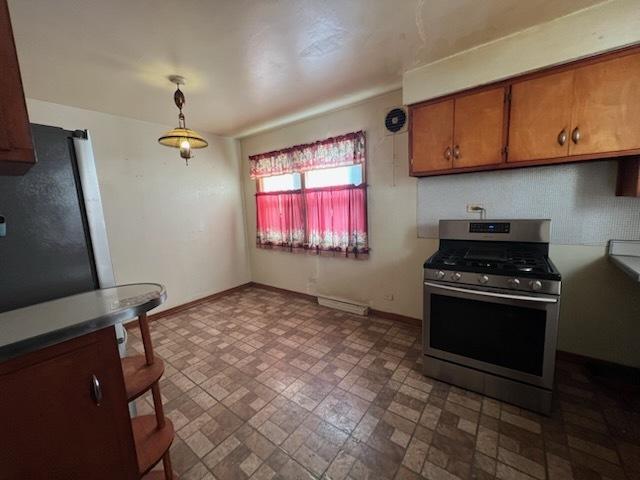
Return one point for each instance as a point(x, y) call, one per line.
point(540, 120)
point(479, 129)
point(16, 148)
point(431, 137)
point(53, 425)
point(606, 113)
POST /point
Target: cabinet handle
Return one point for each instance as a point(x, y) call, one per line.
point(575, 135)
point(447, 153)
point(456, 152)
point(96, 390)
point(562, 137)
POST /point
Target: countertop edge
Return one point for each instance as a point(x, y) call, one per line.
point(628, 264)
point(54, 337)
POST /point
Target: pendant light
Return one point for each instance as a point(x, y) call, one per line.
point(182, 137)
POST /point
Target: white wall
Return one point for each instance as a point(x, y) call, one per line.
point(602, 27)
point(168, 223)
point(394, 265)
point(600, 312)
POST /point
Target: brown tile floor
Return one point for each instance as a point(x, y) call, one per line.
point(265, 385)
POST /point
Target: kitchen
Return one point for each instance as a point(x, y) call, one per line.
point(598, 302)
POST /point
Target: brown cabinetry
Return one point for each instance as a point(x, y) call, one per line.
point(432, 137)
point(65, 413)
point(458, 133)
point(585, 110)
point(16, 147)
point(479, 129)
point(540, 123)
point(606, 112)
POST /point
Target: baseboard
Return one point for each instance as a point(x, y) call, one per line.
point(271, 288)
point(416, 322)
point(188, 305)
point(603, 369)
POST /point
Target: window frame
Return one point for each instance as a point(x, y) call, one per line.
point(303, 188)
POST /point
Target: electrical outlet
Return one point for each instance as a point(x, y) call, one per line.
point(388, 296)
point(474, 207)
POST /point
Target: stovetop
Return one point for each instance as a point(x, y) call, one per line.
point(497, 258)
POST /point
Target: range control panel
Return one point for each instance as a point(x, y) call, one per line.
point(486, 227)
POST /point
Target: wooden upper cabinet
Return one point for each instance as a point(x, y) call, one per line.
point(606, 113)
point(479, 123)
point(16, 147)
point(432, 137)
point(540, 118)
point(589, 109)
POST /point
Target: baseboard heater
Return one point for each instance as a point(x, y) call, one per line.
point(344, 305)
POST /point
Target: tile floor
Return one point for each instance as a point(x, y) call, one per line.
point(265, 385)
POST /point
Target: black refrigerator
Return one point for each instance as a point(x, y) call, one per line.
point(53, 240)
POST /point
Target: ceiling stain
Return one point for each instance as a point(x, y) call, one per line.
point(325, 45)
point(420, 22)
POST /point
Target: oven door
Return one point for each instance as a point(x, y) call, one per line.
point(505, 333)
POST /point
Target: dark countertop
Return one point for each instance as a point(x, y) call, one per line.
point(32, 328)
point(625, 254)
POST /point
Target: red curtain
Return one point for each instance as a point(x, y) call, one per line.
point(336, 219)
point(280, 220)
point(324, 220)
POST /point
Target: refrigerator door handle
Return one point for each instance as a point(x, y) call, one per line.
point(93, 206)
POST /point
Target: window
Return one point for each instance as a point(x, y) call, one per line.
point(331, 177)
point(280, 183)
point(313, 197)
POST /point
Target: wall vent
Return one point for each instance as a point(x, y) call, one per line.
point(395, 120)
point(344, 305)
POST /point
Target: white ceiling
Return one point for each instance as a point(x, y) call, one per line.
point(247, 62)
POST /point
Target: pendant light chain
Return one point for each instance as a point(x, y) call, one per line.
point(181, 137)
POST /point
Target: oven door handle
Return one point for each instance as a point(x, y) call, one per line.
point(494, 294)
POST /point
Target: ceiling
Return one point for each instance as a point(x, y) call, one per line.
point(247, 63)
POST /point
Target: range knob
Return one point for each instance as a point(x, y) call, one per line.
point(440, 274)
point(535, 284)
point(483, 279)
point(513, 282)
point(456, 276)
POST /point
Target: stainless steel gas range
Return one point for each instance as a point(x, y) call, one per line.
point(491, 304)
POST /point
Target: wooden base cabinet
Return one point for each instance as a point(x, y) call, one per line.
point(64, 413)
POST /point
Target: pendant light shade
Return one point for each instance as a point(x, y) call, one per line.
point(174, 138)
point(182, 137)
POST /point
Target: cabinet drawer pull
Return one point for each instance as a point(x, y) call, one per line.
point(96, 390)
point(562, 137)
point(456, 152)
point(447, 153)
point(575, 135)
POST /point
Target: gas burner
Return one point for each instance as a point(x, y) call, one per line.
point(497, 258)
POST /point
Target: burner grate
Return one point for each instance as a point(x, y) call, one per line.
point(506, 261)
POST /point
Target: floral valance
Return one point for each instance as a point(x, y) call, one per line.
point(339, 151)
